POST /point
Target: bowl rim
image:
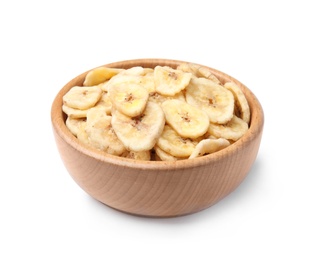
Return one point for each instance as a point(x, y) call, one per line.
point(59, 126)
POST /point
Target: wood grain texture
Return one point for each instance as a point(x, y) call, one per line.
point(158, 189)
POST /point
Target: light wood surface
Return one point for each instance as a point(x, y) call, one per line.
point(158, 189)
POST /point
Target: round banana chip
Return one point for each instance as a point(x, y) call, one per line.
point(75, 124)
point(143, 156)
point(130, 99)
point(100, 75)
point(214, 99)
point(169, 81)
point(100, 132)
point(232, 130)
point(139, 133)
point(105, 103)
point(73, 112)
point(174, 144)
point(161, 155)
point(242, 109)
point(198, 71)
point(82, 97)
point(207, 146)
point(188, 121)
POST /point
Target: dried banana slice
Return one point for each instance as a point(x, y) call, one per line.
point(198, 71)
point(139, 133)
point(75, 124)
point(214, 99)
point(207, 146)
point(169, 81)
point(100, 132)
point(174, 144)
point(161, 155)
point(242, 109)
point(82, 97)
point(74, 113)
point(188, 121)
point(130, 99)
point(105, 103)
point(143, 156)
point(159, 99)
point(232, 130)
point(100, 75)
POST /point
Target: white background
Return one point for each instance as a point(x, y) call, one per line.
point(273, 47)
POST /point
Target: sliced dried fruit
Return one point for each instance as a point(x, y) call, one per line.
point(207, 146)
point(233, 130)
point(188, 121)
point(169, 81)
point(139, 133)
point(214, 99)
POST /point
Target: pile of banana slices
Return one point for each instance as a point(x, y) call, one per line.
point(164, 113)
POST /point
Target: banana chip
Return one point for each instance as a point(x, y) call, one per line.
point(214, 99)
point(139, 133)
point(207, 146)
point(161, 114)
point(174, 144)
point(187, 120)
point(170, 81)
point(242, 109)
point(233, 130)
point(82, 97)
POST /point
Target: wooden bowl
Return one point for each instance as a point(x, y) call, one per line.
point(158, 188)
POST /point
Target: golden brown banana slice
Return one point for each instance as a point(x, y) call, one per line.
point(130, 99)
point(242, 109)
point(75, 124)
point(214, 99)
point(207, 146)
point(142, 156)
point(169, 81)
point(198, 71)
point(232, 130)
point(139, 133)
point(82, 97)
point(174, 144)
point(100, 75)
point(188, 121)
point(100, 132)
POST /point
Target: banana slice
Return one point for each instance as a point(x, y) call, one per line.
point(188, 121)
point(232, 130)
point(105, 103)
point(198, 71)
point(82, 135)
point(214, 99)
point(82, 97)
point(242, 109)
point(148, 82)
point(99, 75)
point(130, 76)
point(143, 156)
point(174, 144)
point(75, 124)
point(207, 146)
point(159, 99)
point(74, 113)
point(100, 132)
point(169, 81)
point(130, 99)
point(139, 133)
point(161, 155)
